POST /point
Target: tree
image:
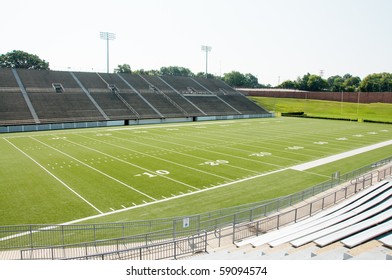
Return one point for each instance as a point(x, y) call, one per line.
point(302, 83)
point(376, 82)
point(335, 83)
point(209, 75)
point(351, 83)
point(251, 81)
point(234, 79)
point(176, 71)
point(21, 59)
point(316, 83)
point(288, 85)
point(124, 68)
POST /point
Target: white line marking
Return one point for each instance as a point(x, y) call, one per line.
point(55, 177)
point(340, 156)
point(129, 163)
point(357, 151)
point(96, 170)
point(322, 161)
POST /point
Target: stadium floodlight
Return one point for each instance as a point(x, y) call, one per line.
point(107, 36)
point(206, 49)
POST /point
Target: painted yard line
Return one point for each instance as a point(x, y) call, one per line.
point(128, 163)
point(227, 146)
point(322, 161)
point(55, 177)
point(161, 159)
point(365, 149)
point(171, 198)
point(201, 149)
point(142, 205)
point(357, 151)
point(289, 143)
point(246, 143)
point(96, 170)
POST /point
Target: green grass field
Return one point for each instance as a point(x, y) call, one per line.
point(158, 171)
point(381, 112)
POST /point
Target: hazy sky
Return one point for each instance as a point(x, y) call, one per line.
point(274, 40)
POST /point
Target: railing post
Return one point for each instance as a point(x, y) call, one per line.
point(175, 249)
point(310, 210)
point(62, 235)
point(174, 229)
point(295, 216)
point(205, 241)
point(31, 237)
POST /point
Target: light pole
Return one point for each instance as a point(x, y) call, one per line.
point(107, 36)
point(206, 49)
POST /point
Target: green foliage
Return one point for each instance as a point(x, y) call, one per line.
point(209, 75)
point(124, 68)
point(21, 59)
point(176, 71)
point(237, 79)
point(316, 83)
point(379, 82)
point(288, 85)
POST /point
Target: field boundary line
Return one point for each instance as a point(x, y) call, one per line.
point(55, 177)
point(96, 170)
point(322, 161)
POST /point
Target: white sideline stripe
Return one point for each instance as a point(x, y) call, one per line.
point(55, 177)
point(322, 161)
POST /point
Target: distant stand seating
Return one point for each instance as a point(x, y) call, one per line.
point(60, 96)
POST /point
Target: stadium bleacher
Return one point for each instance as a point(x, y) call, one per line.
point(360, 227)
point(45, 96)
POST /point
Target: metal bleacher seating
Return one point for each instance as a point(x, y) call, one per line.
point(340, 209)
point(368, 234)
point(332, 233)
point(215, 85)
point(45, 96)
point(387, 240)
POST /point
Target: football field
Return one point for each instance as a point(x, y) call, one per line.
point(149, 171)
